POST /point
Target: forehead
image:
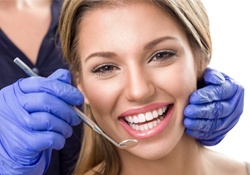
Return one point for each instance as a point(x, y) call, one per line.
point(129, 23)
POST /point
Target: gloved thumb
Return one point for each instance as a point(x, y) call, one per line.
point(61, 75)
point(212, 76)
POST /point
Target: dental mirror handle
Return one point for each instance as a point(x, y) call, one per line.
point(91, 124)
point(124, 144)
point(30, 72)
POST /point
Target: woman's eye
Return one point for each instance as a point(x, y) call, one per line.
point(104, 69)
point(162, 55)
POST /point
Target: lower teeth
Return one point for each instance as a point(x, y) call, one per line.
point(148, 125)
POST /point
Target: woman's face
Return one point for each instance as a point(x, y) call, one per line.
point(138, 72)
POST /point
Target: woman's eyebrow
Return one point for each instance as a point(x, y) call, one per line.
point(153, 43)
point(101, 54)
point(148, 46)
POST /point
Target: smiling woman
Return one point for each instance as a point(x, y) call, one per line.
point(145, 71)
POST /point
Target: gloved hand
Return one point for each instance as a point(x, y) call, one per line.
point(35, 118)
point(214, 109)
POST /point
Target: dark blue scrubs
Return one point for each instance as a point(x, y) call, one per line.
point(49, 59)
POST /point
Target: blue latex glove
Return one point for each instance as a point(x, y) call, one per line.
point(35, 118)
point(214, 109)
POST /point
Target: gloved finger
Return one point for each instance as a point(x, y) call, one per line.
point(210, 125)
point(220, 109)
point(42, 140)
point(206, 142)
point(48, 103)
point(212, 93)
point(19, 139)
point(42, 121)
point(62, 75)
point(209, 111)
point(198, 124)
point(62, 90)
point(211, 130)
point(15, 142)
point(212, 76)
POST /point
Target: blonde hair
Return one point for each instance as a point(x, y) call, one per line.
point(189, 14)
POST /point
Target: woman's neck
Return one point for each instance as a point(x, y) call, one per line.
point(32, 18)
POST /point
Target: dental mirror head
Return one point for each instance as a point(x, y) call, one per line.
point(125, 144)
point(129, 143)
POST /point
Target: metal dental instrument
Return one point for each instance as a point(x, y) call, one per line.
point(129, 143)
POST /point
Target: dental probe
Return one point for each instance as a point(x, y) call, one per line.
point(129, 143)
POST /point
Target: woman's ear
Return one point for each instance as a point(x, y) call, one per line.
point(80, 87)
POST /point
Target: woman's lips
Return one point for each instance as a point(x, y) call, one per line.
point(148, 124)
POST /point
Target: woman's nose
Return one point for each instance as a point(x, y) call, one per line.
point(139, 86)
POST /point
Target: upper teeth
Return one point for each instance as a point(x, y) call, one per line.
point(140, 118)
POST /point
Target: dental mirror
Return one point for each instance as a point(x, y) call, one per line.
point(129, 143)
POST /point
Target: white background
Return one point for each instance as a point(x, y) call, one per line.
point(230, 31)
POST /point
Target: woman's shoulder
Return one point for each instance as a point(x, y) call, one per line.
point(227, 165)
point(248, 167)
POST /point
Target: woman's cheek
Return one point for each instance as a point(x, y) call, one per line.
point(100, 96)
point(179, 80)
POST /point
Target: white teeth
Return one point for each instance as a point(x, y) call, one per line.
point(141, 118)
point(150, 125)
point(146, 126)
point(148, 116)
point(142, 127)
point(164, 109)
point(160, 112)
point(130, 119)
point(155, 114)
point(135, 119)
point(155, 123)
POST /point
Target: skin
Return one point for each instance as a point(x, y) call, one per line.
point(119, 63)
point(36, 14)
